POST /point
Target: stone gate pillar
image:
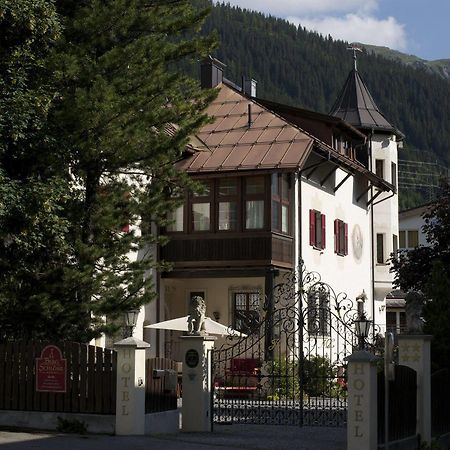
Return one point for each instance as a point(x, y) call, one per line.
point(197, 383)
point(130, 390)
point(362, 401)
point(414, 352)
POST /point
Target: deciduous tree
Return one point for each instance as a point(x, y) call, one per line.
point(427, 269)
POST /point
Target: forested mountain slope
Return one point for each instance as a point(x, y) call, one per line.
point(302, 68)
point(440, 67)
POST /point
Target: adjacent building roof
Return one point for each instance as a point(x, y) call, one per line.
point(396, 299)
point(307, 113)
point(356, 106)
point(416, 211)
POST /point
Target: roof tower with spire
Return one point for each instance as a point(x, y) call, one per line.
point(356, 106)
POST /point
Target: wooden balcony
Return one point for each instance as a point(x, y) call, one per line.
point(237, 250)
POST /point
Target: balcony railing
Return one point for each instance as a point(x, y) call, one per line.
point(236, 250)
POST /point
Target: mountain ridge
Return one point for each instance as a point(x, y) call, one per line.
point(440, 67)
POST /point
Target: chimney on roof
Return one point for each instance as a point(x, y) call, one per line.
point(211, 72)
point(249, 86)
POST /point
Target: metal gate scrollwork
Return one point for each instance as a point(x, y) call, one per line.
point(289, 369)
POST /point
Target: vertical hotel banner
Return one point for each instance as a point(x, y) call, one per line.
point(51, 373)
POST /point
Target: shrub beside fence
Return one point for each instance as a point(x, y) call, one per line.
point(91, 379)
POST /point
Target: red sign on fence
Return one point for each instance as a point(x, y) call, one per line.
point(51, 370)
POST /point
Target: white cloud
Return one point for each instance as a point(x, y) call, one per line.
point(357, 28)
point(302, 8)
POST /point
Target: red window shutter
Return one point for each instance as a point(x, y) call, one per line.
point(312, 227)
point(323, 230)
point(346, 239)
point(336, 236)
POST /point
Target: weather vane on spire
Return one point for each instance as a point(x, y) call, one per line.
point(354, 48)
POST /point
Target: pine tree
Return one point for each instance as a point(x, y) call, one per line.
point(32, 190)
point(121, 118)
point(124, 117)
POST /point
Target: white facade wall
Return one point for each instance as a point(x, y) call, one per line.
point(350, 273)
point(385, 214)
point(413, 220)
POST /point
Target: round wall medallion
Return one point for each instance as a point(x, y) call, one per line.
point(192, 358)
point(357, 242)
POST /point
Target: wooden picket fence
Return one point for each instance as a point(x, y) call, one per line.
point(91, 379)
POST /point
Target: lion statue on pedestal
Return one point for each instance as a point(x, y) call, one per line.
point(196, 318)
point(413, 309)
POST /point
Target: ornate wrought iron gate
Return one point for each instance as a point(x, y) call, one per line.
point(290, 368)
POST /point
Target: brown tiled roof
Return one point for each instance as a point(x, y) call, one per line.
point(230, 144)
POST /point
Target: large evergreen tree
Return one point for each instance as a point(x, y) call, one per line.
point(32, 188)
point(122, 116)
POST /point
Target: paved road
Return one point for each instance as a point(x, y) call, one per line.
point(225, 437)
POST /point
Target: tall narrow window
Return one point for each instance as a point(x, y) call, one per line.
point(394, 244)
point(201, 209)
point(402, 237)
point(391, 321)
point(317, 229)
point(380, 249)
point(402, 317)
point(379, 167)
point(254, 202)
point(319, 313)
point(176, 218)
point(281, 184)
point(227, 191)
point(413, 238)
point(340, 237)
point(246, 306)
point(394, 174)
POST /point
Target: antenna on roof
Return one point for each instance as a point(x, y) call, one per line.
point(354, 47)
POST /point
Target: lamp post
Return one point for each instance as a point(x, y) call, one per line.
point(362, 323)
point(131, 320)
point(362, 328)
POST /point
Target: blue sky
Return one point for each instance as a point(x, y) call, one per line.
point(418, 27)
